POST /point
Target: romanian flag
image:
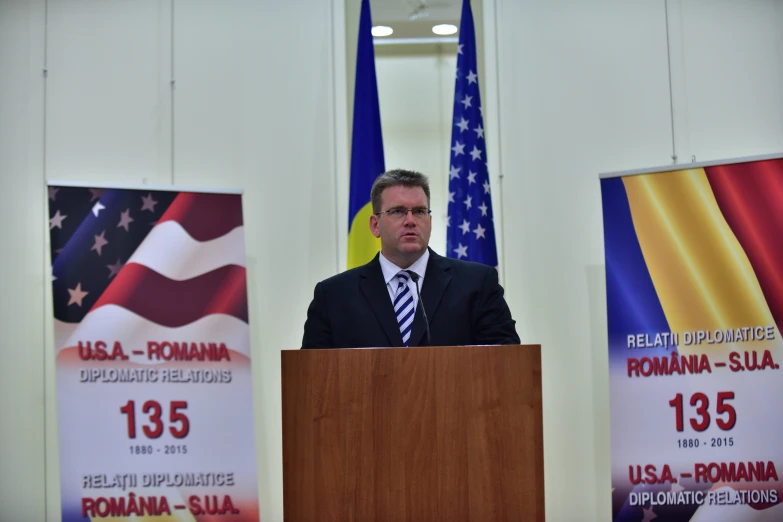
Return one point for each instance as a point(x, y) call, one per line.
point(695, 249)
point(696, 255)
point(366, 148)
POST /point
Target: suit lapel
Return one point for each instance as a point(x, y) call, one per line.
point(436, 279)
point(375, 291)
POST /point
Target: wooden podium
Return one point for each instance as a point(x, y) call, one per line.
point(448, 434)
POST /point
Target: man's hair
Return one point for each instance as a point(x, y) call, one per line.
point(396, 178)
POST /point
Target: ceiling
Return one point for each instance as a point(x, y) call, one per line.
point(415, 18)
point(400, 10)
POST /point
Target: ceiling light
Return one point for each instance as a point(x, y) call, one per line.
point(444, 29)
point(382, 30)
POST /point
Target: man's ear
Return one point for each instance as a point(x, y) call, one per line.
point(375, 226)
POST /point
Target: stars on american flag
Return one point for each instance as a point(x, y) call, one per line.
point(77, 295)
point(125, 220)
point(93, 232)
point(100, 242)
point(115, 268)
point(148, 203)
point(649, 514)
point(97, 208)
point(469, 202)
point(57, 220)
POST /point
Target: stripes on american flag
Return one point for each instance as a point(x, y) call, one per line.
point(148, 261)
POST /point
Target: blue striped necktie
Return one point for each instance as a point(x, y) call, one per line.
point(403, 306)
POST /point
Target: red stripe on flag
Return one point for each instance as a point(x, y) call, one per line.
point(176, 303)
point(205, 216)
point(750, 196)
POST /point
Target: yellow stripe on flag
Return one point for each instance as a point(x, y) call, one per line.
point(362, 245)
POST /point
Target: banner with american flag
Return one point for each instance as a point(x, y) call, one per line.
point(154, 392)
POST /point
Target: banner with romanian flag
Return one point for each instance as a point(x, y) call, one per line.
point(366, 147)
point(694, 280)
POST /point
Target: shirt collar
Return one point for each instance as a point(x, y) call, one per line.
point(390, 270)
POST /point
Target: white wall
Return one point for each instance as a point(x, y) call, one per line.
point(728, 78)
point(22, 228)
point(253, 108)
point(583, 89)
point(416, 94)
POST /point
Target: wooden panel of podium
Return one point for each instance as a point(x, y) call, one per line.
point(413, 434)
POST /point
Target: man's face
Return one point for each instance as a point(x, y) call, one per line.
point(403, 240)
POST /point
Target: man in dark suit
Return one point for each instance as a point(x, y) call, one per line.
point(376, 305)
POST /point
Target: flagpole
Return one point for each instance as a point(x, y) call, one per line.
point(498, 141)
point(340, 131)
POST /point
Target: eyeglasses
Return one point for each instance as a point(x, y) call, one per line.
point(399, 213)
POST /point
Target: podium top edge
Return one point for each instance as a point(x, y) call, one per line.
point(414, 347)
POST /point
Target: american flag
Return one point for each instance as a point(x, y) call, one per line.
point(471, 231)
point(144, 262)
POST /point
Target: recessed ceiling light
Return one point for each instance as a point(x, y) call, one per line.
point(382, 30)
point(444, 29)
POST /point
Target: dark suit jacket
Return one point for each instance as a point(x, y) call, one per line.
point(463, 301)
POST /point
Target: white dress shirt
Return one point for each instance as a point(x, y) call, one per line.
point(390, 271)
